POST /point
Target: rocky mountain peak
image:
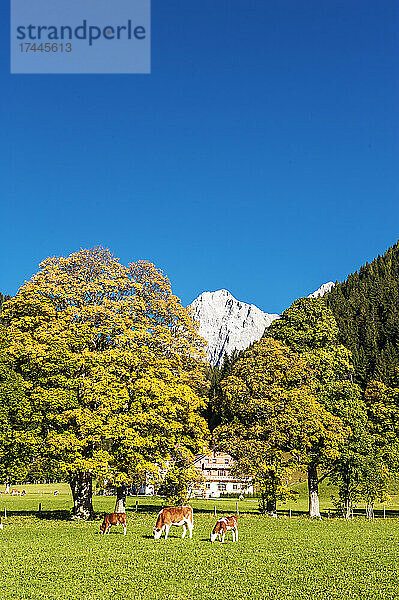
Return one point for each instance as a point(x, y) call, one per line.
point(323, 289)
point(228, 324)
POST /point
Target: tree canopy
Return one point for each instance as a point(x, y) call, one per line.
point(111, 369)
point(308, 326)
point(273, 421)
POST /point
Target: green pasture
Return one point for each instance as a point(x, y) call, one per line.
point(48, 556)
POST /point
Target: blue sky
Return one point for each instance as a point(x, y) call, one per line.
point(260, 155)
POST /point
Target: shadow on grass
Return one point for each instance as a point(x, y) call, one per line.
point(155, 508)
point(66, 515)
point(51, 515)
point(171, 536)
point(144, 508)
point(390, 513)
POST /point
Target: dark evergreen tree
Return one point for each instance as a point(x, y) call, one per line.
point(366, 308)
point(215, 376)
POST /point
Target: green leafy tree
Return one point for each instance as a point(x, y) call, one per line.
point(111, 364)
point(382, 404)
point(18, 425)
point(273, 422)
point(351, 467)
point(179, 480)
point(309, 328)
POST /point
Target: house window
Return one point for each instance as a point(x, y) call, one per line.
point(226, 461)
point(221, 487)
point(208, 485)
point(221, 473)
point(235, 487)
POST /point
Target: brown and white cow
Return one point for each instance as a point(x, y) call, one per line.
point(224, 525)
point(113, 519)
point(174, 515)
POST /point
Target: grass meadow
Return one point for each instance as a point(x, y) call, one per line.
point(47, 556)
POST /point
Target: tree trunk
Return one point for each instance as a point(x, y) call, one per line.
point(262, 503)
point(271, 506)
point(348, 509)
point(82, 493)
point(313, 485)
point(370, 511)
point(120, 506)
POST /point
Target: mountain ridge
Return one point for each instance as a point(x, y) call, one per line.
point(228, 324)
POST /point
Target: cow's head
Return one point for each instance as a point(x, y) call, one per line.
point(215, 532)
point(157, 533)
point(214, 536)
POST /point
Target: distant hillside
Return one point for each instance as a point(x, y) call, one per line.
point(366, 307)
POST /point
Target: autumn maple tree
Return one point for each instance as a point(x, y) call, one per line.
point(308, 327)
point(273, 422)
point(111, 368)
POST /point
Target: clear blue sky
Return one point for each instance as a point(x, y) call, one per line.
point(261, 154)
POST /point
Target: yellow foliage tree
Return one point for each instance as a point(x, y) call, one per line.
point(113, 371)
point(273, 421)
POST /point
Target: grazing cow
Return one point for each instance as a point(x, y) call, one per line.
point(15, 492)
point(113, 519)
point(223, 525)
point(174, 515)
